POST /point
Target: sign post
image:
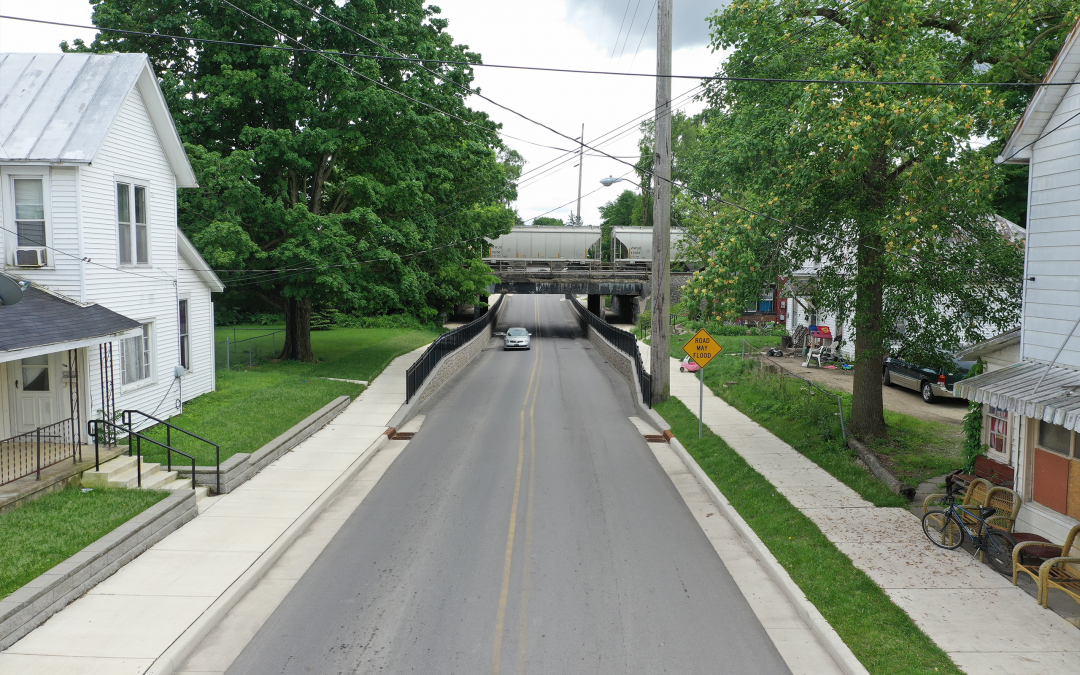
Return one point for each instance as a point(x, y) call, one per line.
point(702, 348)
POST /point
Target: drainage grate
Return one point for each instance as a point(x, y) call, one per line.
point(403, 436)
point(655, 438)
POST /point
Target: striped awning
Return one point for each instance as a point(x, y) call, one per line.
point(1013, 388)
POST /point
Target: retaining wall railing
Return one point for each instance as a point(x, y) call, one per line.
point(418, 372)
point(622, 340)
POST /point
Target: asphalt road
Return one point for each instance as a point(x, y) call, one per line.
point(527, 528)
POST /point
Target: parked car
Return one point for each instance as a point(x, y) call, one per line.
point(932, 383)
point(516, 338)
point(688, 366)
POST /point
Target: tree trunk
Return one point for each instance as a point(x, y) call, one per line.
point(297, 345)
point(867, 413)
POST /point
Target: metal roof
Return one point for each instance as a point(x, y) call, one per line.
point(57, 108)
point(1065, 68)
point(44, 319)
point(1056, 402)
point(1006, 339)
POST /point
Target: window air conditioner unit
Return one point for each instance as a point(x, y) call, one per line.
point(29, 257)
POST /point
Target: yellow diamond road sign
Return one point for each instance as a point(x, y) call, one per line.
point(702, 348)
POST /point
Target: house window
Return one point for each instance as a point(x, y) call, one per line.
point(1056, 469)
point(35, 373)
point(29, 212)
point(185, 343)
point(133, 232)
point(765, 306)
point(997, 430)
point(135, 356)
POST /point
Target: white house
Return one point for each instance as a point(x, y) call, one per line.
point(1040, 395)
point(120, 313)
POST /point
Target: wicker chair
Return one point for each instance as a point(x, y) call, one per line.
point(1007, 503)
point(974, 497)
point(1054, 567)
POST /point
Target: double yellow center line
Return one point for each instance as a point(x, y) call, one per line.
point(500, 621)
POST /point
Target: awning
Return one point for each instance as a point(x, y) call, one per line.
point(43, 323)
point(1012, 388)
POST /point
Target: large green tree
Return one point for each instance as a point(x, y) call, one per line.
point(318, 184)
point(876, 187)
point(623, 211)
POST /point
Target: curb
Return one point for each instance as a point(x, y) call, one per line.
point(33, 604)
point(836, 647)
point(184, 645)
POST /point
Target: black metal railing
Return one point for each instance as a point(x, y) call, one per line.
point(622, 340)
point(127, 417)
point(28, 453)
point(418, 372)
point(100, 429)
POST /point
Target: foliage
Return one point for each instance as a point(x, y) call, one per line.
point(880, 634)
point(45, 532)
point(973, 425)
point(317, 185)
point(872, 192)
point(547, 221)
point(623, 211)
point(644, 320)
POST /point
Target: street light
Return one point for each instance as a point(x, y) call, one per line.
point(609, 181)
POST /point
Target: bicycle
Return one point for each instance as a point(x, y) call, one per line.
point(948, 529)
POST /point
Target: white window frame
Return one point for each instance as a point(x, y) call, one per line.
point(147, 334)
point(1004, 455)
point(11, 242)
point(181, 335)
point(132, 185)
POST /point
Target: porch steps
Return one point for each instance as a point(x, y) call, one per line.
point(120, 472)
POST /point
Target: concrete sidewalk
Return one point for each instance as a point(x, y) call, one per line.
point(987, 625)
point(143, 618)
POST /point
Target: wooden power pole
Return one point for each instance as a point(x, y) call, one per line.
point(660, 353)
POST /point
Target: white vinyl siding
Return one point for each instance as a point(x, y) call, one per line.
point(1052, 300)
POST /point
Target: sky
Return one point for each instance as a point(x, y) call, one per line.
point(614, 35)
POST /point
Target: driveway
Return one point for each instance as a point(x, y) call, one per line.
point(895, 398)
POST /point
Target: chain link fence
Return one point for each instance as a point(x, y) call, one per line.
point(244, 352)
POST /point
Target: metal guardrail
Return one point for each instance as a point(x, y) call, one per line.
point(749, 351)
point(28, 453)
point(98, 429)
point(623, 341)
point(418, 372)
point(126, 418)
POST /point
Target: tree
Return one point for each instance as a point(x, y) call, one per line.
point(547, 221)
point(620, 212)
point(318, 184)
point(876, 186)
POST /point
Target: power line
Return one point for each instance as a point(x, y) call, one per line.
point(629, 30)
point(619, 34)
point(643, 31)
point(573, 71)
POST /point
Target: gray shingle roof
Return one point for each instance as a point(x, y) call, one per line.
point(43, 319)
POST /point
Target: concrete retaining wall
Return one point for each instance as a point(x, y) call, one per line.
point(239, 468)
point(624, 364)
point(30, 606)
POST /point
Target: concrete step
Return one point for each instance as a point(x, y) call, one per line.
point(201, 491)
point(130, 479)
point(156, 480)
point(108, 471)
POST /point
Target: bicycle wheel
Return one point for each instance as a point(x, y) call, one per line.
point(943, 529)
point(999, 548)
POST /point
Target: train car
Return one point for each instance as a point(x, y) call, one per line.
point(635, 243)
point(545, 243)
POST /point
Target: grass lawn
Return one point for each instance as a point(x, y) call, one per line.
point(43, 533)
point(881, 635)
point(253, 405)
point(917, 450)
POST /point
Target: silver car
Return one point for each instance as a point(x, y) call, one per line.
point(516, 338)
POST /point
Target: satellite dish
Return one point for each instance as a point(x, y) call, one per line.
point(11, 291)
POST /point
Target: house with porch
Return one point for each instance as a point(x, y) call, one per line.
point(1038, 398)
point(118, 311)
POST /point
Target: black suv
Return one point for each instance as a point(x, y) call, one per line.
point(930, 382)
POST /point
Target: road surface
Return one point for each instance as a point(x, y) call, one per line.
point(527, 528)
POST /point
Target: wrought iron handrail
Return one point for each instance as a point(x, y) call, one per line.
point(93, 428)
point(418, 372)
point(623, 341)
point(126, 417)
point(21, 455)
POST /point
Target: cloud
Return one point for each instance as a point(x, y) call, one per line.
point(620, 26)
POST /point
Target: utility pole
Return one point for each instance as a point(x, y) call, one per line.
point(660, 352)
point(581, 165)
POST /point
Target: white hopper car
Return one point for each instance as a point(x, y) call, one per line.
point(545, 243)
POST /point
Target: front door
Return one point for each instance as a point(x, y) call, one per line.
point(35, 384)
